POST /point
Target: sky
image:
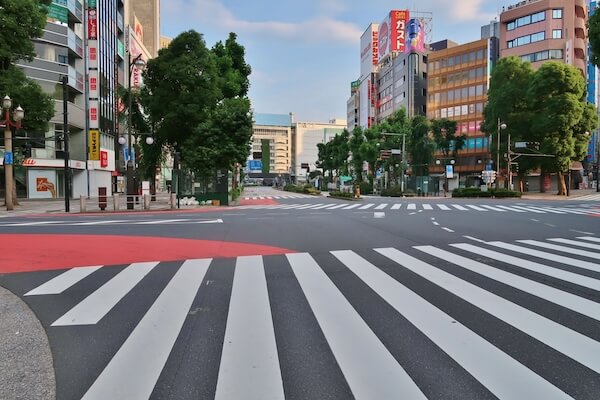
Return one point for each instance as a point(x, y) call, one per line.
point(305, 53)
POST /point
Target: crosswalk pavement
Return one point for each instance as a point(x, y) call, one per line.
point(594, 197)
point(469, 320)
point(420, 207)
point(282, 196)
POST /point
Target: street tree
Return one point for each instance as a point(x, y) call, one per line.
point(355, 141)
point(593, 24)
point(420, 145)
point(446, 139)
point(508, 103)
point(561, 118)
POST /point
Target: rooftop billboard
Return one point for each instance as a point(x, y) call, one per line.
point(392, 33)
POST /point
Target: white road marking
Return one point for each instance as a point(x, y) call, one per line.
point(62, 282)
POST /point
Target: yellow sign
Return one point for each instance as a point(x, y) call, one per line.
point(94, 144)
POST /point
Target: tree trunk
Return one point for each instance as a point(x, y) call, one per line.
point(14, 193)
point(562, 187)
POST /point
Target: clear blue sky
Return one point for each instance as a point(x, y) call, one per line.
point(305, 53)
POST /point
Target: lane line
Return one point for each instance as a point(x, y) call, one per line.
point(133, 371)
point(530, 209)
point(370, 370)
point(576, 243)
point(62, 282)
point(548, 293)
point(94, 307)
point(396, 206)
point(493, 208)
point(479, 358)
point(580, 348)
point(543, 269)
point(511, 209)
point(459, 207)
point(447, 229)
point(411, 206)
point(249, 362)
point(381, 206)
point(338, 206)
point(351, 207)
point(443, 207)
point(474, 239)
point(427, 207)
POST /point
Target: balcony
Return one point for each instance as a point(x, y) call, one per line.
point(76, 114)
point(75, 8)
point(75, 79)
point(75, 43)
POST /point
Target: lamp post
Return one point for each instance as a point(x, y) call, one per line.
point(501, 126)
point(8, 154)
point(139, 63)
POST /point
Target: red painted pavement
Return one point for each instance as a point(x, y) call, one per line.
point(258, 202)
point(36, 252)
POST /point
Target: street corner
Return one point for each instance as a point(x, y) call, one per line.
point(38, 252)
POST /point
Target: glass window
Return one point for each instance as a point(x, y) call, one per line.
point(480, 54)
point(510, 26)
point(472, 73)
point(472, 56)
point(457, 111)
point(457, 60)
point(450, 61)
point(456, 94)
point(557, 34)
point(471, 91)
point(464, 92)
point(464, 109)
point(479, 90)
point(556, 54)
point(451, 95)
point(557, 13)
point(465, 58)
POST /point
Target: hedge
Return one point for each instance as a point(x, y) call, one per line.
point(476, 192)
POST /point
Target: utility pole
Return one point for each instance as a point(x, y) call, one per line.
point(66, 144)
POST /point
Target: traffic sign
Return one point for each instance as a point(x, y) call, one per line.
point(8, 158)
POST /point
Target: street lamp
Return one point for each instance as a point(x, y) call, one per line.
point(501, 126)
point(8, 154)
point(139, 63)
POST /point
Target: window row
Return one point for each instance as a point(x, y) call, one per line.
point(459, 77)
point(464, 93)
point(543, 55)
point(526, 20)
point(523, 40)
point(477, 144)
point(458, 59)
point(386, 92)
point(459, 111)
point(386, 106)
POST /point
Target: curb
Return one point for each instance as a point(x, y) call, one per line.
point(26, 365)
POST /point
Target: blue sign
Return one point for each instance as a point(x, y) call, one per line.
point(126, 154)
point(449, 171)
point(8, 158)
point(255, 165)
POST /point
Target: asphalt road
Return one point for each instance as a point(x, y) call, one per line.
point(316, 298)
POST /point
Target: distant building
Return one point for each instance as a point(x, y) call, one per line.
point(165, 42)
point(490, 30)
point(144, 16)
point(306, 137)
point(271, 133)
point(545, 30)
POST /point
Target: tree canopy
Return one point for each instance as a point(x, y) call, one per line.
point(197, 99)
point(594, 37)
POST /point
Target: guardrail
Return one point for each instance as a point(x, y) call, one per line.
point(120, 202)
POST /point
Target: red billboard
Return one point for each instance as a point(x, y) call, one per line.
point(392, 32)
point(92, 24)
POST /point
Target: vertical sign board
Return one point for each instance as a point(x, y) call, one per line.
point(94, 143)
point(398, 23)
point(449, 171)
point(103, 158)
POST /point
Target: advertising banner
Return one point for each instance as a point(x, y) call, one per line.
point(415, 37)
point(399, 21)
point(449, 171)
point(41, 183)
point(103, 159)
point(384, 37)
point(93, 114)
point(94, 145)
point(92, 24)
point(369, 54)
point(93, 83)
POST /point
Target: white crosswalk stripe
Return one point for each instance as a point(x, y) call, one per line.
point(253, 358)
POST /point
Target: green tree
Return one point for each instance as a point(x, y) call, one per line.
point(420, 145)
point(21, 21)
point(354, 143)
point(508, 103)
point(445, 137)
point(560, 116)
point(594, 37)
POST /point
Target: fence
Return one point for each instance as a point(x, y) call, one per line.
point(116, 202)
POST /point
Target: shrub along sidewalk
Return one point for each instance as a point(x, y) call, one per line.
point(476, 192)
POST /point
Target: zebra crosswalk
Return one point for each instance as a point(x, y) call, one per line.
point(282, 196)
point(593, 197)
point(468, 320)
point(420, 207)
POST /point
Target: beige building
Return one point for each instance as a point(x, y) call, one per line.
point(545, 30)
point(165, 42)
point(458, 83)
point(144, 17)
point(275, 131)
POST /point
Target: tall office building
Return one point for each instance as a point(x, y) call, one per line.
point(543, 30)
point(144, 15)
point(272, 145)
point(458, 81)
point(59, 52)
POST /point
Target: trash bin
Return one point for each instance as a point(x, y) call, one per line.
point(216, 202)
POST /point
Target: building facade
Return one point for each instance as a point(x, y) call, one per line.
point(458, 79)
point(545, 30)
point(271, 145)
point(60, 52)
point(306, 137)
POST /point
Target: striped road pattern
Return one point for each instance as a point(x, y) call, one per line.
point(536, 209)
point(282, 196)
point(472, 320)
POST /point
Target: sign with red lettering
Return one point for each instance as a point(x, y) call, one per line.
point(399, 20)
point(93, 50)
point(92, 24)
point(375, 45)
point(103, 159)
point(93, 74)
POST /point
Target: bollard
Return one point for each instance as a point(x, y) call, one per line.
point(82, 204)
point(172, 200)
point(102, 198)
point(116, 201)
point(147, 202)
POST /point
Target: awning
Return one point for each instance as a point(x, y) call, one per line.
point(576, 166)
